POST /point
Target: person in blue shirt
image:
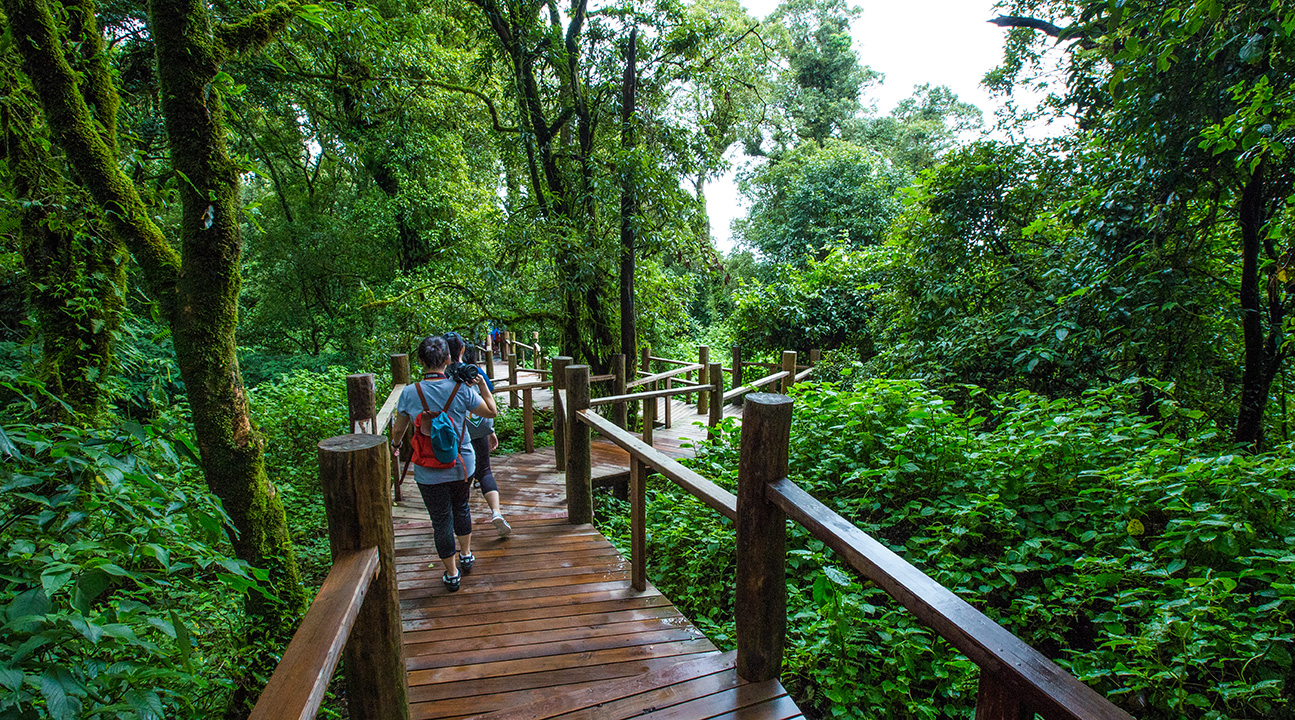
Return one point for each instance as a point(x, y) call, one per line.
point(445, 490)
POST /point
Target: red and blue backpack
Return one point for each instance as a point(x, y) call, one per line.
point(436, 438)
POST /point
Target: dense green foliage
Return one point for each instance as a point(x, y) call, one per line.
point(1149, 564)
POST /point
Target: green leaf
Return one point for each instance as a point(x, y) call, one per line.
point(54, 688)
point(88, 587)
point(32, 603)
point(182, 641)
point(11, 678)
point(55, 577)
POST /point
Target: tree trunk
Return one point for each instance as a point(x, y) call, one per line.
point(629, 200)
point(198, 290)
point(1262, 358)
point(76, 273)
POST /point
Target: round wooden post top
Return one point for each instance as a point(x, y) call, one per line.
point(563, 358)
point(772, 399)
point(352, 443)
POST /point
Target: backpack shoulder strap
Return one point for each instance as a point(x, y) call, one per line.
point(447, 402)
point(419, 387)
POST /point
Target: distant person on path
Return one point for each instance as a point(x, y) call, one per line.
point(484, 440)
point(445, 489)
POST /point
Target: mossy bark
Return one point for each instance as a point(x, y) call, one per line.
point(206, 313)
point(76, 273)
point(198, 287)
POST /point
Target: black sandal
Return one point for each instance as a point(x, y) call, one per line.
point(451, 583)
point(466, 562)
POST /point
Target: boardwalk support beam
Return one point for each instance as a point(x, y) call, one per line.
point(761, 538)
point(580, 492)
point(560, 363)
point(353, 471)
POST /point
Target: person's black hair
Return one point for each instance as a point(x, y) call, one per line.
point(455, 342)
point(433, 351)
point(472, 355)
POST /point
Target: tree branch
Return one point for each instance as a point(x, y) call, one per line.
point(490, 105)
point(1073, 32)
point(256, 30)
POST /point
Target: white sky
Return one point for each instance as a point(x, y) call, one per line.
point(941, 42)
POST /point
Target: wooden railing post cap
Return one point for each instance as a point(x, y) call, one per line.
point(351, 443)
point(769, 399)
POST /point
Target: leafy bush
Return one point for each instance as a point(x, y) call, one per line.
point(1150, 563)
point(294, 412)
point(120, 598)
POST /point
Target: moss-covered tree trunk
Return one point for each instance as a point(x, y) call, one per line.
point(197, 289)
point(75, 272)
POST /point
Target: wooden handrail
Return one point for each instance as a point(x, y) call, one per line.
point(668, 360)
point(663, 375)
point(650, 394)
point(716, 497)
point(773, 365)
point(1052, 692)
point(601, 378)
point(753, 386)
point(388, 410)
point(802, 374)
point(297, 687)
point(536, 385)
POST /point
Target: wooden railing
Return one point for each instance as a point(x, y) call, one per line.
point(356, 613)
point(1016, 681)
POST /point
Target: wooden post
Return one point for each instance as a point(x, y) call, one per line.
point(400, 376)
point(580, 490)
point(717, 405)
point(353, 471)
point(703, 359)
point(512, 379)
point(761, 598)
point(490, 364)
point(815, 356)
point(737, 372)
point(789, 366)
point(638, 524)
point(997, 701)
point(528, 419)
point(503, 343)
point(400, 369)
point(560, 363)
point(361, 405)
point(620, 413)
point(539, 351)
point(667, 404)
point(645, 364)
point(649, 419)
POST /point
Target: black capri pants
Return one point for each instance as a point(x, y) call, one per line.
point(483, 474)
point(444, 500)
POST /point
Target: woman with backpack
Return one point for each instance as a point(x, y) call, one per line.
point(444, 461)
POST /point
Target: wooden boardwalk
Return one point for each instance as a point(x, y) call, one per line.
point(547, 624)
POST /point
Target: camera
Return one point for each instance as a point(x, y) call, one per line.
point(463, 372)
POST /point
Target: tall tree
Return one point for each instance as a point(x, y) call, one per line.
point(197, 287)
point(1196, 94)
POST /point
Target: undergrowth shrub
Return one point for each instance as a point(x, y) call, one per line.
point(120, 596)
point(294, 412)
point(1139, 553)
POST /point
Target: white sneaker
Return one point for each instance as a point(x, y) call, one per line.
point(501, 525)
